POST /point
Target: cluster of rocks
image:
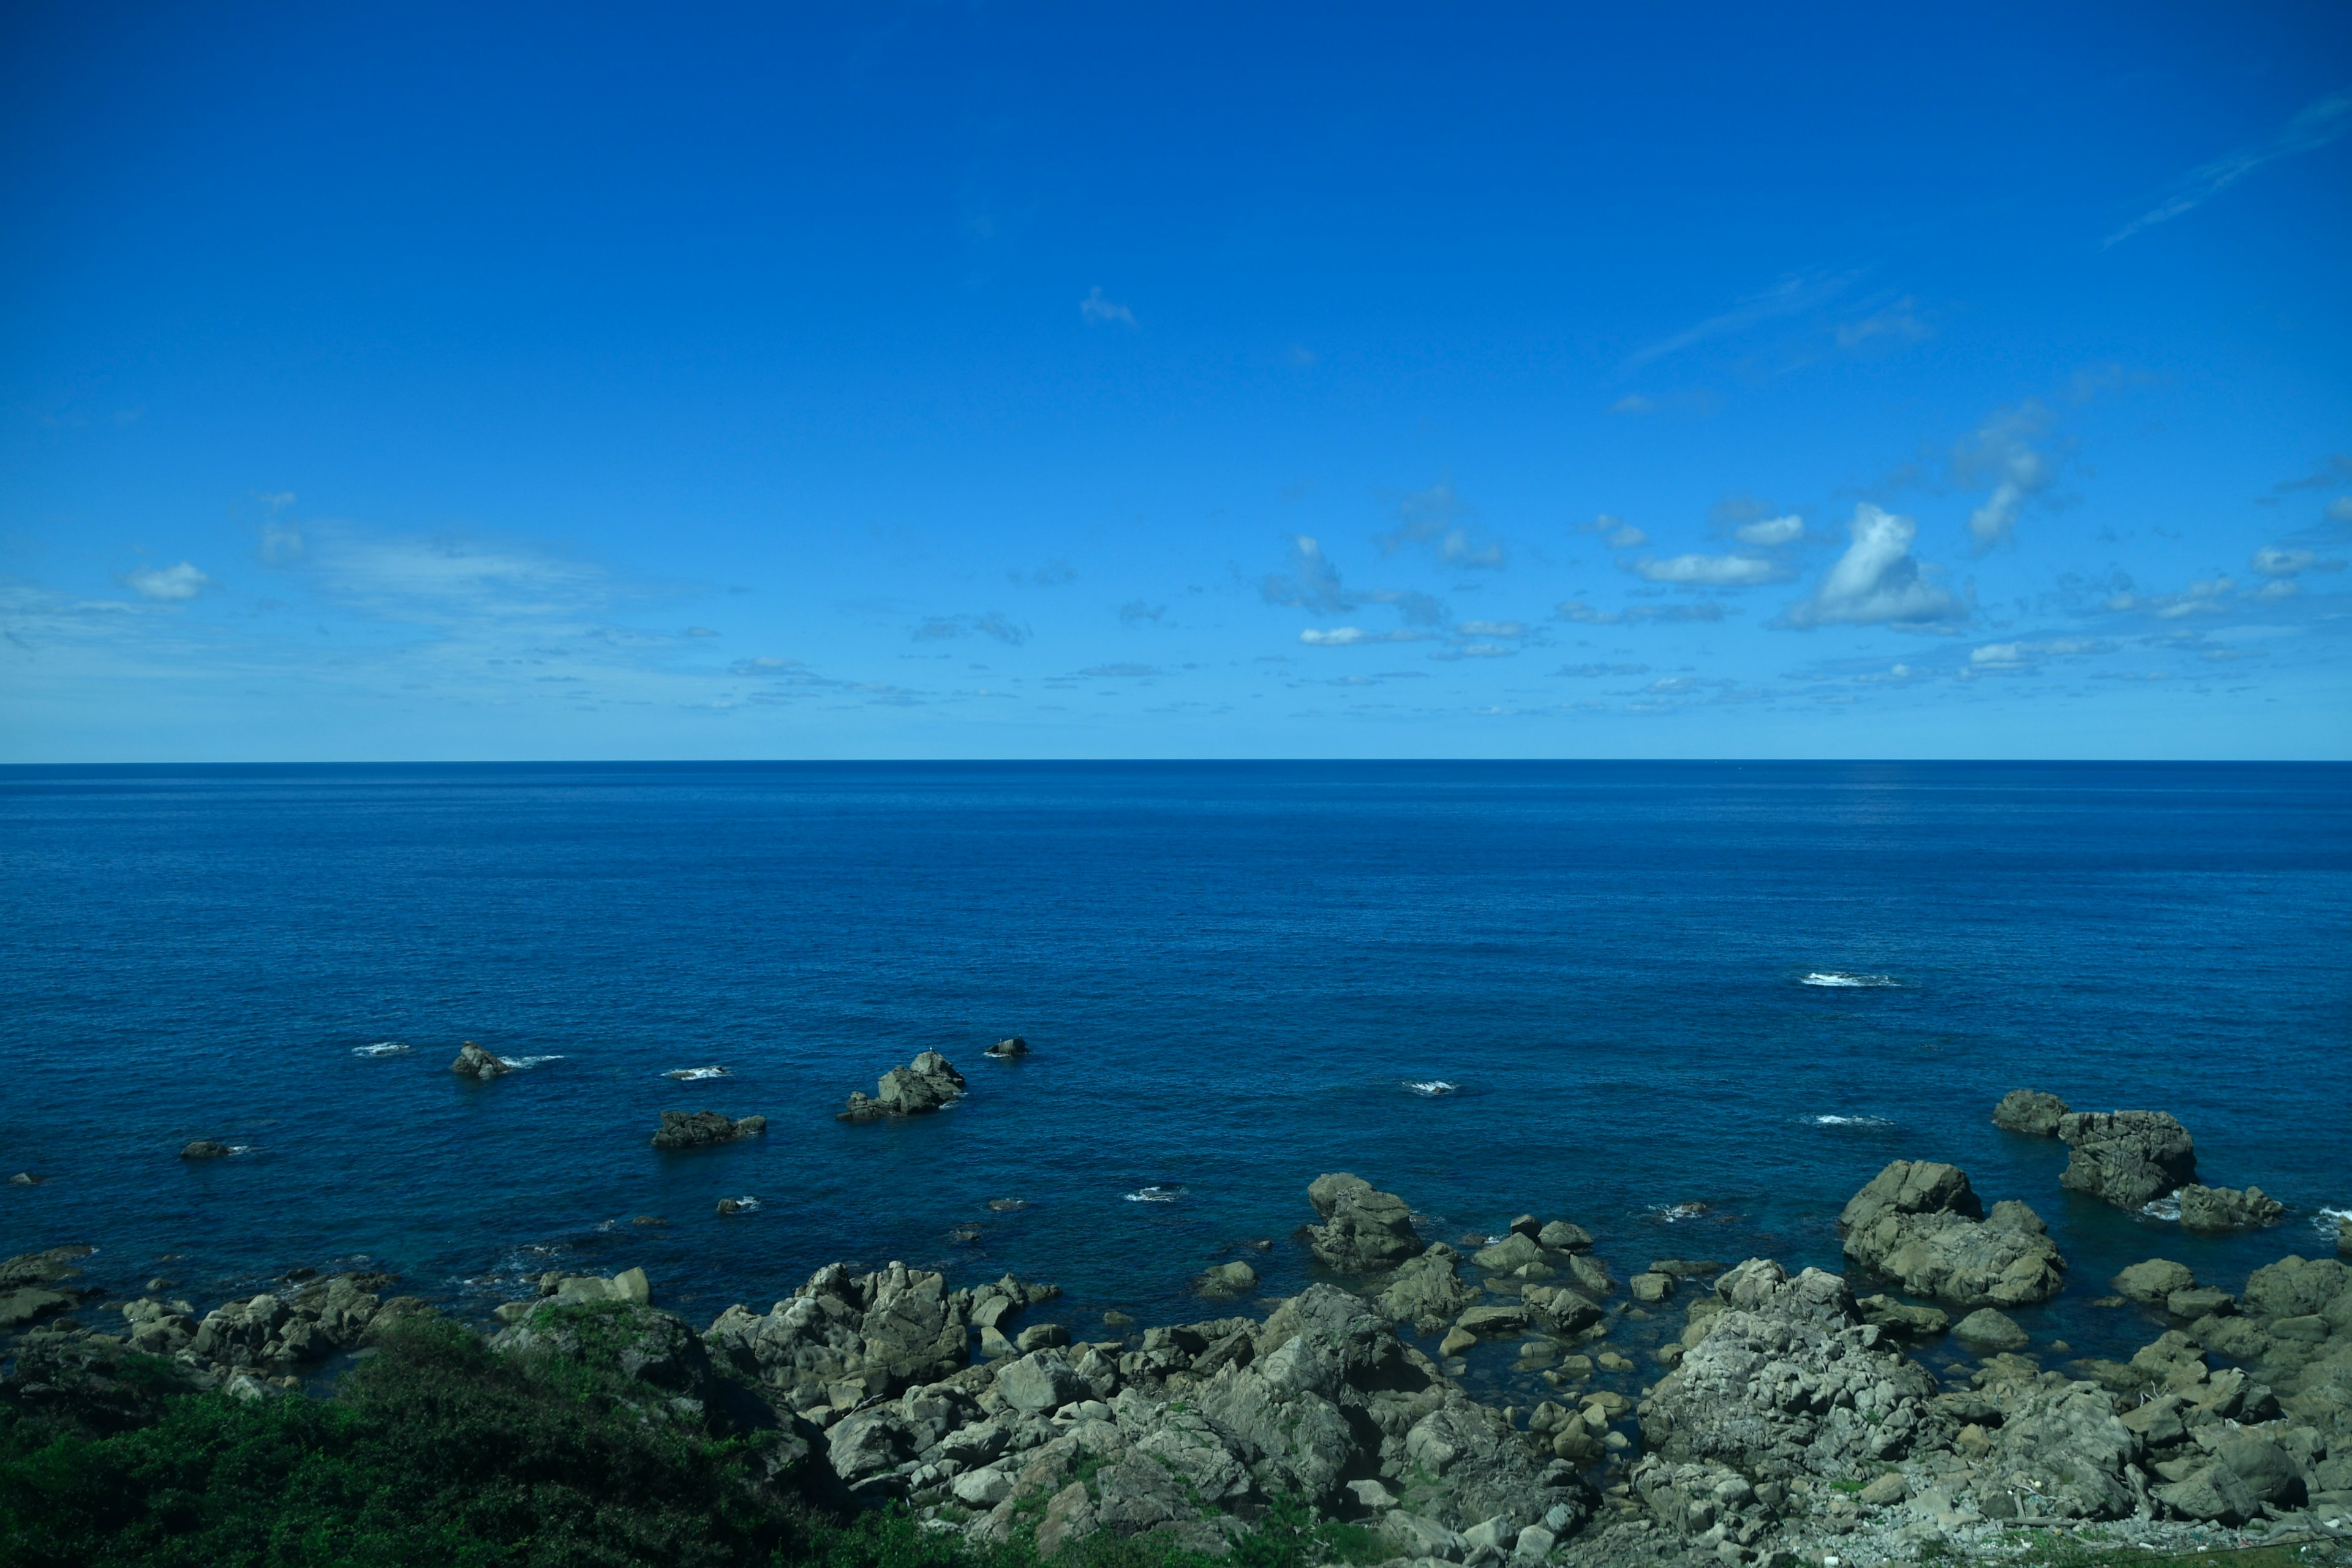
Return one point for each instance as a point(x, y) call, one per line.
point(1921, 1225)
point(475, 1062)
point(33, 1285)
point(2131, 1158)
point(704, 1129)
point(926, 1084)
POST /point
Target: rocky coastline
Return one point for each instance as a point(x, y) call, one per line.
point(1790, 1419)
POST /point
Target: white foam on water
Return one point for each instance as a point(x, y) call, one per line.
point(1850, 1121)
point(1673, 1212)
point(747, 1203)
point(1432, 1087)
point(2161, 1208)
point(693, 1075)
point(1155, 1195)
point(524, 1063)
point(1840, 980)
point(240, 1148)
point(2327, 1221)
point(381, 1048)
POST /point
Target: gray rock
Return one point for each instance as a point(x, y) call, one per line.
point(2030, 1111)
point(204, 1149)
point(2227, 1208)
point(2201, 1303)
point(924, 1085)
point(1559, 1236)
point(1987, 1330)
point(2214, 1493)
point(1918, 1222)
point(1364, 1229)
point(1514, 1252)
point(1426, 1291)
point(1002, 1049)
point(2295, 1287)
point(2058, 1453)
point(2262, 1464)
point(1043, 1336)
point(703, 1129)
point(1651, 1288)
point(2153, 1282)
point(2128, 1157)
point(1902, 1318)
point(873, 1334)
point(475, 1062)
point(1226, 1280)
point(1041, 1381)
point(1492, 1322)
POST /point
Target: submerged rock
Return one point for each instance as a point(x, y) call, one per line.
point(1920, 1224)
point(1226, 1280)
point(206, 1148)
point(475, 1062)
point(924, 1085)
point(2227, 1208)
point(2128, 1157)
point(702, 1129)
point(2030, 1111)
point(1363, 1229)
point(1014, 1046)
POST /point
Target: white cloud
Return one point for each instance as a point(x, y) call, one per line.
point(2001, 657)
point(1620, 534)
point(994, 624)
point(1096, 311)
point(1313, 584)
point(2340, 509)
point(1492, 628)
point(1347, 636)
point(1773, 531)
point(2316, 125)
point(1875, 582)
point(181, 582)
point(2277, 560)
point(1712, 571)
point(1577, 610)
point(1433, 517)
point(2003, 451)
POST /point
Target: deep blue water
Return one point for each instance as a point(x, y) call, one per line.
point(1229, 972)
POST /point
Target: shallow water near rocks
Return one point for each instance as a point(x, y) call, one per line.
point(1587, 991)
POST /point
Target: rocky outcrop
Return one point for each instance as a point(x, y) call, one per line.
point(1427, 1292)
point(1786, 1379)
point(1007, 1048)
point(2227, 1208)
point(1363, 1230)
point(1226, 1280)
point(924, 1085)
point(206, 1148)
point(475, 1062)
point(2153, 1282)
point(32, 1285)
point(1921, 1225)
point(267, 1335)
point(2060, 1452)
point(2128, 1158)
point(704, 1129)
point(2029, 1111)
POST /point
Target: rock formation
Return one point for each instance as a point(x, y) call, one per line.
point(206, 1148)
point(1363, 1230)
point(1918, 1222)
point(702, 1129)
point(2030, 1111)
point(2126, 1157)
point(475, 1062)
point(1004, 1049)
point(924, 1085)
point(2227, 1208)
point(32, 1284)
point(1427, 1292)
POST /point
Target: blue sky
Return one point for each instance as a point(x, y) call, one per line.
point(417, 382)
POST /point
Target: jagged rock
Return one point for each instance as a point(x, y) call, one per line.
point(1987, 1330)
point(1492, 1322)
point(2214, 1493)
point(850, 1336)
point(1043, 1336)
point(475, 1062)
point(1426, 1291)
point(702, 1129)
point(1364, 1229)
point(2126, 1157)
point(2058, 1453)
point(206, 1148)
point(1002, 1049)
point(2154, 1282)
point(1226, 1280)
point(923, 1085)
point(2295, 1287)
point(1902, 1318)
point(2227, 1208)
point(1918, 1222)
point(2030, 1111)
point(1787, 1378)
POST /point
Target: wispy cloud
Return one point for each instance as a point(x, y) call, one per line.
point(994, 624)
point(1313, 584)
point(1096, 310)
point(1790, 296)
point(1707, 571)
point(1771, 531)
point(2280, 562)
point(167, 583)
point(1876, 582)
point(2314, 126)
point(2004, 449)
point(1577, 610)
point(1347, 636)
point(1437, 517)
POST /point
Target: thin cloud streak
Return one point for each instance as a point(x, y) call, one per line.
point(2314, 127)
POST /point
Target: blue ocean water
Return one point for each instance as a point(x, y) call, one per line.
point(1233, 976)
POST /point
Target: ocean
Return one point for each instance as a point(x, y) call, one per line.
point(1692, 1007)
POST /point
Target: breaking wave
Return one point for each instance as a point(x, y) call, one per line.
point(1840, 980)
point(2327, 1221)
point(381, 1048)
point(2161, 1208)
point(1850, 1121)
point(746, 1203)
point(693, 1075)
point(1432, 1087)
point(1674, 1212)
point(1155, 1195)
point(524, 1063)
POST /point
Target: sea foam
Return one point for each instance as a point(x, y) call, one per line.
point(1155, 1195)
point(1839, 980)
point(1432, 1087)
point(1850, 1121)
point(2161, 1208)
point(524, 1063)
point(381, 1048)
point(692, 1075)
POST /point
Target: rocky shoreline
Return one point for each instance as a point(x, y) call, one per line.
point(1790, 1419)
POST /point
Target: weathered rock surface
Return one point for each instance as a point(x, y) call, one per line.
point(844, 1337)
point(2058, 1453)
point(475, 1062)
point(32, 1284)
point(1427, 1291)
point(1363, 1229)
point(1002, 1049)
point(206, 1148)
point(2227, 1208)
point(924, 1085)
point(1227, 1280)
point(2030, 1111)
point(2128, 1157)
point(1986, 1330)
point(704, 1129)
point(2154, 1282)
point(1920, 1224)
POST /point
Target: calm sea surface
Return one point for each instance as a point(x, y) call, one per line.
point(1233, 976)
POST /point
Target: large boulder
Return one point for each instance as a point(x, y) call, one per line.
point(1363, 1229)
point(1921, 1225)
point(2030, 1111)
point(842, 1337)
point(1787, 1379)
point(2128, 1158)
point(2227, 1208)
point(206, 1148)
point(475, 1062)
point(32, 1284)
point(2058, 1453)
point(702, 1129)
point(2153, 1282)
point(922, 1086)
point(1427, 1292)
